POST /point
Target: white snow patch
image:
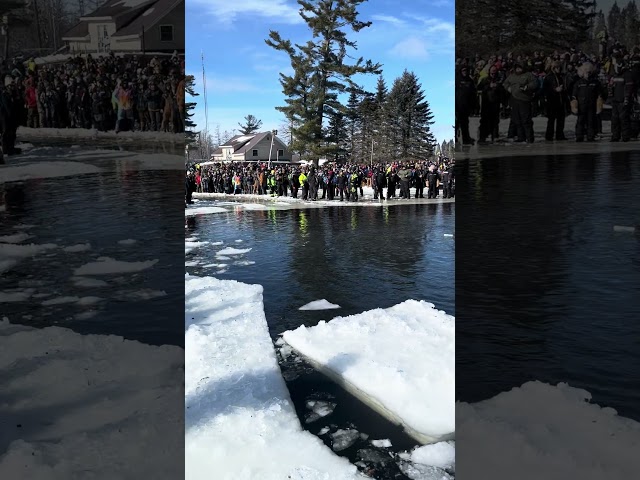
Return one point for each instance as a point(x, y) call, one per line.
point(119, 389)
point(190, 246)
point(203, 210)
point(235, 398)
point(239, 241)
point(128, 241)
point(16, 238)
point(244, 263)
point(45, 170)
point(233, 251)
point(319, 305)
point(80, 247)
point(401, 358)
point(193, 263)
point(106, 266)
point(385, 443)
point(546, 431)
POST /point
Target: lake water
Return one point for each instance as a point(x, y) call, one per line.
point(360, 258)
point(101, 210)
point(546, 290)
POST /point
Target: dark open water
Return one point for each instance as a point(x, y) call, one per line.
point(545, 289)
point(100, 209)
point(360, 258)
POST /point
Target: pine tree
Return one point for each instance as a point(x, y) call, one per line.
point(321, 71)
point(189, 132)
point(631, 25)
point(380, 121)
point(337, 136)
point(615, 23)
point(251, 125)
point(352, 123)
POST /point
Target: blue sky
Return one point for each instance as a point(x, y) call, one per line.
point(242, 71)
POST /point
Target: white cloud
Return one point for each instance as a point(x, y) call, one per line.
point(228, 11)
point(412, 47)
point(441, 3)
point(387, 19)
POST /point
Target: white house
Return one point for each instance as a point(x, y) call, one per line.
point(130, 25)
point(252, 148)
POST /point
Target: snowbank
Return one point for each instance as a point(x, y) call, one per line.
point(25, 133)
point(399, 360)
point(84, 401)
point(543, 431)
point(240, 421)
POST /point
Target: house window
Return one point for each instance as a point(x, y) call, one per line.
point(255, 153)
point(166, 33)
point(280, 153)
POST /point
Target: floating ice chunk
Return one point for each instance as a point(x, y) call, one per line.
point(203, 211)
point(45, 170)
point(448, 234)
point(254, 206)
point(8, 250)
point(364, 436)
point(17, 296)
point(128, 241)
point(191, 239)
point(233, 251)
point(81, 247)
point(553, 431)
point(324, 430)
point(89, 300)
point(441, 454)
point(238, 241)
point(222, 257)
point(216, 243)
point(216, 265)
point(42, 295)
point(144, 294)
point(16, 238)
point(86, 315)
point(244, 263)
point(380, 357)
point(107, 266)
point(323, 408)
point(416, 471)
point(286, 351)
point(60, 301)
point(190, 246)
point(88, 282)
point(343, 439)
point(236, 400)
point(370, 455)
point(386, 443)
point(8, 264)
point(24, 226)
point(319, 305)
point(622, 228)
point(193, 263)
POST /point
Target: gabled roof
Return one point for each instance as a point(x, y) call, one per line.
point(151, 15)
point(243, 143)
point(114, 8)
point(80, 30)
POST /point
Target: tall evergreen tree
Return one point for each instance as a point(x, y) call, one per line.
point(615, 22)
point(337, 136)
point(631, 25)
point(321, 71)
point(251, 125)
point(189, 131)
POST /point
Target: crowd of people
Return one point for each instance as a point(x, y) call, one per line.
point(103, 92)
point(555, 85)
point(330, 181)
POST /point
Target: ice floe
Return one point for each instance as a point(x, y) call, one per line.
point(107, 266)
point(233, 251)
point(236, 400)
point(399, 360)
point(319, 305)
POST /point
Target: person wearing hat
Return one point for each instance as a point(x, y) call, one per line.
point(556, 95)
point(465, 104)
point(585, 102)
point(521, 85)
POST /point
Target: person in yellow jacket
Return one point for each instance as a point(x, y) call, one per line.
point(271, 183)
point(304, 184)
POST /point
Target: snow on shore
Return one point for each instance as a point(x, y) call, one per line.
point(240, 421)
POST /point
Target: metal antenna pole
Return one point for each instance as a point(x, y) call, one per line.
point(206, 108)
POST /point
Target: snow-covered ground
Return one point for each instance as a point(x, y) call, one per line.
point(540, 146)
point(543, 431)
point(399, 360)
point(240, 421)
point(25, 133)
point(53, 162)
point(87, 406)
point(290, 202)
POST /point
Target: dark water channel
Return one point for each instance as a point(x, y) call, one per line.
point(360, 258)
point(549, 292)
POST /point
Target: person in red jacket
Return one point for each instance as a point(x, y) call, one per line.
point(31, 101)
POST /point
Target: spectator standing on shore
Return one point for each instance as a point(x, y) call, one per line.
point(465, 104)
point(521, 85)
point(557, 97)
point(492, 96)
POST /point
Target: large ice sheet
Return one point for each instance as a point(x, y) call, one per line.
point(543, 431)
point(240, 421)
point(88, 406)
point(400, 360)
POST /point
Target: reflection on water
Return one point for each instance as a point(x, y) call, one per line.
point(100, 210)
point(567, 309)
